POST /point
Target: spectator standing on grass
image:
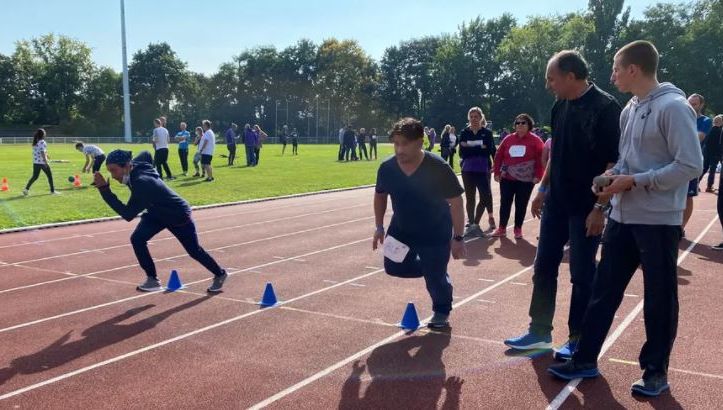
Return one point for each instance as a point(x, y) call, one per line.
point(349, 143)
point(477, 148)
point(428, 216)
point(432, 139)
point(94, 156)
point(517, 167)
point(659, 154)
point(182, 138)
point(362, 140)
point(712, 147)
point(230, 136)
point(206, 146)
point(444, 143)
point(160, 145)
point(294, 142)
point(283, 138)
point(164, 209)
point(586, 127)
point(342, 146)
point(373, 144)
point(703, 124)
point(197, 155)
point(250, 141)
point(260, 138)
point(41, 162)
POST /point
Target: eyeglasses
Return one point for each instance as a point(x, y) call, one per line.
point(520, 122)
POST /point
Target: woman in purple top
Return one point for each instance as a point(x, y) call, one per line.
point(250, 142)
point(476, 149)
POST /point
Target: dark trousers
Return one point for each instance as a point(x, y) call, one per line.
point(98, 162)
point(720, 200)
point(148, 227)
point(161, 161)
point(36, 173)
point(556, 228)
point(341, 152)
point(257, 155)
point(349, 152)
point(231, 153)
point(520, 193)
point(295, 148)
point(183, 156)
point(624, 248)
point(710, 164)
point(477, 182)
point(429, 262)
point(373, 149)
point(363, 150)
point(250, 155)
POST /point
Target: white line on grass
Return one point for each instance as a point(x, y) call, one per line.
point(572, 385)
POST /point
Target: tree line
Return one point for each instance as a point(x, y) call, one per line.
point(497, 64)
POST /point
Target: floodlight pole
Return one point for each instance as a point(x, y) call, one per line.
point(126, 89)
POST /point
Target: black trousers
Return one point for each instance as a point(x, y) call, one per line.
point(363, 150)
point(720, 200)
point(231, 153)
point(520, 193)
point(373, 149)
point(624, 248)
point(36, 173)
point(148, 227)
point(183, 156)
point(161, 161)
point(98, 162)
point(474, 182)
point(257, 155)
point(710, 163)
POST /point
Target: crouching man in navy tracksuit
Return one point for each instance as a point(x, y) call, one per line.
point(164, 208)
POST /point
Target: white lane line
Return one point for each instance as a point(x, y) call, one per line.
point(630, 295)
point(184, 255)
point(572, 385)
point(174, 339)
point(372, 267)
point(486, 280)
point(673, 369)
point(329, 281)
point(251, 269)
point(518, 283)
point(154, 241)
point(359, 285)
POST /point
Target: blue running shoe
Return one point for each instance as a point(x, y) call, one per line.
point(529, 341)
point(651, 386)
point(564, 353)
point(570, 370)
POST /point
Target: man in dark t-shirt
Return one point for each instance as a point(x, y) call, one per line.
point(586, 130)
point(427, 203)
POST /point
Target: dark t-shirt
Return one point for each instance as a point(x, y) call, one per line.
point(421, 212)
point(586, 133)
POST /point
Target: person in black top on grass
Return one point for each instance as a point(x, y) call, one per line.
point(586, 130)
point(712, 151)
point(427, 202)
point(373, 144)
point(477, 149)
point(164, 208)
point(294, 142)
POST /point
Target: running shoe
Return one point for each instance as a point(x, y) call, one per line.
point(572, 370)
point(529, 341)
point(150, 285)
point(217, 285)
point(438, 321)
point(518, 233)
point(565, 352)
point(500, 232)
point(471, 229)
point(651, 386)
point(718, 247)
point(25, 192)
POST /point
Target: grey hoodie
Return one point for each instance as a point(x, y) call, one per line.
point(659, 147)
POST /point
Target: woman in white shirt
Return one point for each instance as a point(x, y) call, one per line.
point(40, 162)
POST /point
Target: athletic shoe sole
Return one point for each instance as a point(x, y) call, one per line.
point(649, 393)
point(583, 374)
point(533, 346)
point(154, 289)
point(560, 357)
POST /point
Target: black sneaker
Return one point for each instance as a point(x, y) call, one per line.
point(651, 386)
point(196, 175)
point(438, 321)
point(718, 247)
point(150, 285)
point(572, 370)
point(217, 285)
point(209, 180)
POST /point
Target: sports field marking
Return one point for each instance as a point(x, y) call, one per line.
point(174, 339)
point(225, 228)
point(251, 269)
point(673, 369)
point(185, 254)
point(572, 385)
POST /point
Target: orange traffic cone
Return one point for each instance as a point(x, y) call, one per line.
point(5, 186)
point(77, 183)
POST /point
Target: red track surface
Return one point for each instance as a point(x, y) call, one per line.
point(76, 334)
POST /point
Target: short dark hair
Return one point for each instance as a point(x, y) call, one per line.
point(207, 123)
point(528, 119)
point(409, 128)
point(641, 53)
point(78, 145)
point(571, 61)
point(699, 97)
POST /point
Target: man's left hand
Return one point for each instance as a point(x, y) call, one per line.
point(98, 180)
point(595, 223)
point(458, 249)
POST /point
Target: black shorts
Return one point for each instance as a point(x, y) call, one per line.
point(206, 159)
point(97, 162)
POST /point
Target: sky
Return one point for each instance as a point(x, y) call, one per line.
point(208, 33)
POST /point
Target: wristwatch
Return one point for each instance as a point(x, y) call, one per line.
point(603, 207)
point(458, 238)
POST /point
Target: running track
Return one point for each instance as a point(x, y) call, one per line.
point(76, 334)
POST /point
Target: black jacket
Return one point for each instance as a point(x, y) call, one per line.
point(148, 192)
point(713, 142)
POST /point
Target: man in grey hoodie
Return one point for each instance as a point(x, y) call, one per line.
point(659, 154)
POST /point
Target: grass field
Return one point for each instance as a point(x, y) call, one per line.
point(314, 169)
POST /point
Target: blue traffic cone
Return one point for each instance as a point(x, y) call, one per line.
point(174, 282)
point(410, 320)
point(269, 297)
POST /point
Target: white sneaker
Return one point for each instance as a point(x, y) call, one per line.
point(25, 192)
point(470, 229)
point(56, 193)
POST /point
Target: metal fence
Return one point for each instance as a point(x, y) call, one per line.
point(25, 139)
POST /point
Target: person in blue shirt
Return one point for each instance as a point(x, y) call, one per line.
point(164, 209)
point(230, 136)
point(704, 124)
point(182, 138)
point(427, 202)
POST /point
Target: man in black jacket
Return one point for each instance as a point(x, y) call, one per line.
point(164, 210)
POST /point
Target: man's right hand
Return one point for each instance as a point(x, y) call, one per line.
point(378, 238)
point(536, 207)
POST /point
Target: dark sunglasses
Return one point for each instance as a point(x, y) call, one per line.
point(520, 122)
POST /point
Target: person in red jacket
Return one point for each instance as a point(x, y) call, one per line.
point(518, 167)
